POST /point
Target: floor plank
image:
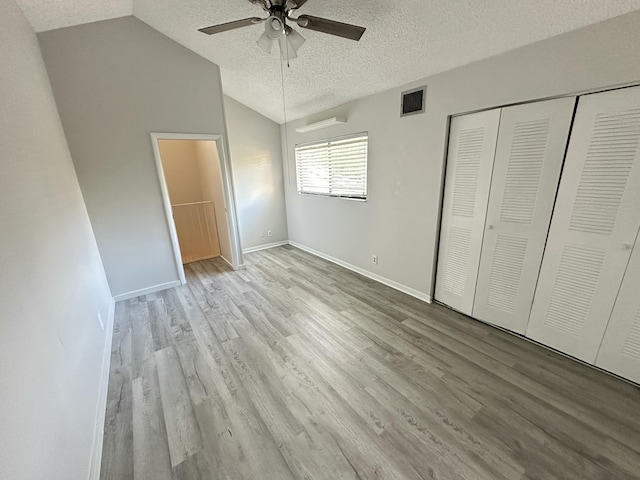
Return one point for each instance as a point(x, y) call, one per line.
point(296, 368)
point(117, 453)
point(183, 434)
point(151, 459)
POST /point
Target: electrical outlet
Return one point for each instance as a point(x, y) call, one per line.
point(100, 320)
point(374, 259)
point(269, 233)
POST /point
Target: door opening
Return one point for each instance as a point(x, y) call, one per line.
point(198, 198)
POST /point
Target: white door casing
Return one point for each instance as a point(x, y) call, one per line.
point(237, 261)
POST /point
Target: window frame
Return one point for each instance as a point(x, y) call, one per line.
point(354, 197)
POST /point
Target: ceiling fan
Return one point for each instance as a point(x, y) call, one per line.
point(276, 28)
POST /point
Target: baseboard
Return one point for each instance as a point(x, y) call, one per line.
point(98, 435)
point(144, 291)
point(389, 283)
point(227, 261)
point(264, 247)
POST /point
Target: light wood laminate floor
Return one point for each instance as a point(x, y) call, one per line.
point(299, 369)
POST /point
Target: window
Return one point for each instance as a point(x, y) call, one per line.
point(336, 167)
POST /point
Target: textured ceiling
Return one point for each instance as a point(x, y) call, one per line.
point(405, 40)
point(50, 14)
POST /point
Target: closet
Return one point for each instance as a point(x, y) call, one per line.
point(620, 350)
point(531, 145)
point(502, 173)
point(594, 226)
point(545, 248)
point(472, 145)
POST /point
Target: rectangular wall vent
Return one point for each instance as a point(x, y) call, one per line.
point(413, 101)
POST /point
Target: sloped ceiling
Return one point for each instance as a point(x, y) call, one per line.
point(51, 14)
point(405, 40)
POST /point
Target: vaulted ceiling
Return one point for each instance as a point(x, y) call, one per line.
point(405, 40)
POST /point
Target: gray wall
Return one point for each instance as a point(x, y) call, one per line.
point(256, 155)
point(51, 280)
point(114, 82)
point(399, 222)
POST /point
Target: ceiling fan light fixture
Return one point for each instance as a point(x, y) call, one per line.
point(274, 28)
point(265, 42)
point(295, 39)
point(286, 51)
point(290, 43)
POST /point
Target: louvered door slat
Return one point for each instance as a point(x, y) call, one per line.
point(620, 349)
point(594, 224)
point(472, 141)
point(531, 143)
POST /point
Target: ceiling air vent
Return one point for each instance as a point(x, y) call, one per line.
point(413, 101)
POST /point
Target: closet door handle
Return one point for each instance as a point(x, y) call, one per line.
point(489, 227)
point(626, 246)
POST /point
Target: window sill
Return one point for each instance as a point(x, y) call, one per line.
point(341, 197)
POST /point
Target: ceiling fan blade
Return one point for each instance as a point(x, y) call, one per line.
point(223, 27)
point(331, 27)
point(295, 4)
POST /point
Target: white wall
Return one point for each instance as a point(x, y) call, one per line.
point(212, 188)
point(399, 222)
point(256, 155)
point(51, 279)
point(114, 82)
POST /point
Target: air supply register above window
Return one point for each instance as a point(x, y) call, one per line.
point(413, 101)
point(336, 167)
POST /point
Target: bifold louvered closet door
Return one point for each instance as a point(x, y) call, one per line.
point(532, 140)
point(620, 349)
point(594, 226)
point(472, 144)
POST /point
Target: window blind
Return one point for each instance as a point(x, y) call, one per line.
point(336, 167)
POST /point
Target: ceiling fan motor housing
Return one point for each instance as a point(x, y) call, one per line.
point(275, 24)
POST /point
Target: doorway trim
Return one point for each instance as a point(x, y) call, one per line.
point(237, 261)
